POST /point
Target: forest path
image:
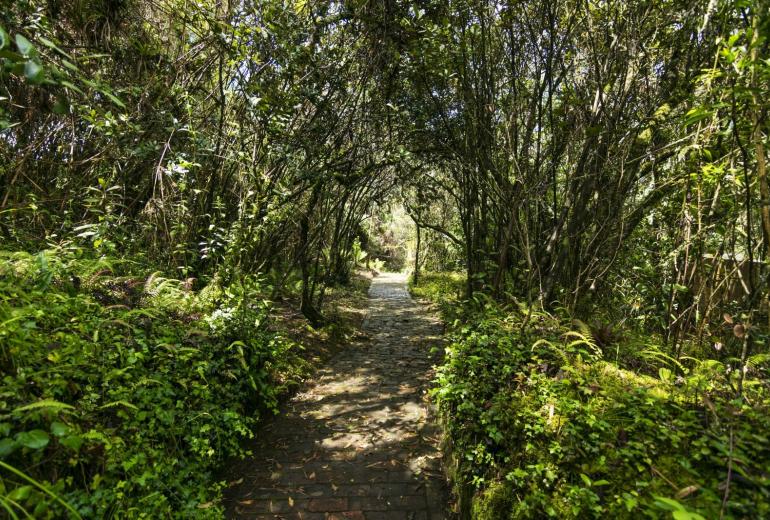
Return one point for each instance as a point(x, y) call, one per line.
point(358, 443)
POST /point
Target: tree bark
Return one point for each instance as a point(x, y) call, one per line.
point(416, 273)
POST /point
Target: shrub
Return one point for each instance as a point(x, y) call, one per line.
point(542, 422)
point(122, 391)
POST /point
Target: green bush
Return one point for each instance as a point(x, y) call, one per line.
point(122, 392)
point(543, 422)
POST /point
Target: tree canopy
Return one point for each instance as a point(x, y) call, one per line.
point(606, 159)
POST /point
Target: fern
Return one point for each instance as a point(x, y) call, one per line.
point(758, 360)
point(560, 352)
point(653, 354)
point(583, 339)
point(48, 404)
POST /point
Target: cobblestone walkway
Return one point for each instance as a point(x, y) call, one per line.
point(358, 443)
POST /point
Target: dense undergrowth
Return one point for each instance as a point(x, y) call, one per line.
point(124, 391)
point(546, 416)
point(608, 157)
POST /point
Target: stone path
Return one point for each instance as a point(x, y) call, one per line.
point(358, 443)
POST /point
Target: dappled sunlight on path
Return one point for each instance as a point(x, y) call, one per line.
point(358, 443)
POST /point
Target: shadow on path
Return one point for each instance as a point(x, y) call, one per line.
point(358, 443)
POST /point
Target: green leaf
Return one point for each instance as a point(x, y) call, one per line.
point(15, 57)
point(24, 45)
point(114, 99)
point(69, 65)
point(34, 72)
point(20, 493)
point(686, 515)
point(73, 442)
point(51, 45)
point(70, 86)
point(42, 487)
point(7, 446)
point(667, 504)
point(59, 429)
point(695, 115)
point(5, 40)
point(44, 403)
point(61, 107)
point(34, 439)
point(118, 403)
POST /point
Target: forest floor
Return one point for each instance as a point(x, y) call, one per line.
point(359, 441)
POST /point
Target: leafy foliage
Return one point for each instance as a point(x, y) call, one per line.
point(543, 422)
point(443, 287)
point(125, 390)
point(169, 167)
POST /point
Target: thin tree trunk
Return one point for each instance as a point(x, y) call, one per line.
point(759, 147)
point(416, 273)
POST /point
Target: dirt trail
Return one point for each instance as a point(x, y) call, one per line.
point(358, 443)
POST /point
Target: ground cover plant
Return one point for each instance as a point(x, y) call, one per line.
point(547, 416)
point(189, 190)
point(124, 390)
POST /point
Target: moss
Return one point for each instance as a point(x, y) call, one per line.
point(494, 503)
point(545, 426)
point(441, 287)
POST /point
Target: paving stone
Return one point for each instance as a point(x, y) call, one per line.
point(387, 515)
point(285, 516)
point(359, 442)
point(347, 515)
point(327, 505)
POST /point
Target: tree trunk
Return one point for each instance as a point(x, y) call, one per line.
point(416, 273)
point(306, 303)
point(759, 148)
